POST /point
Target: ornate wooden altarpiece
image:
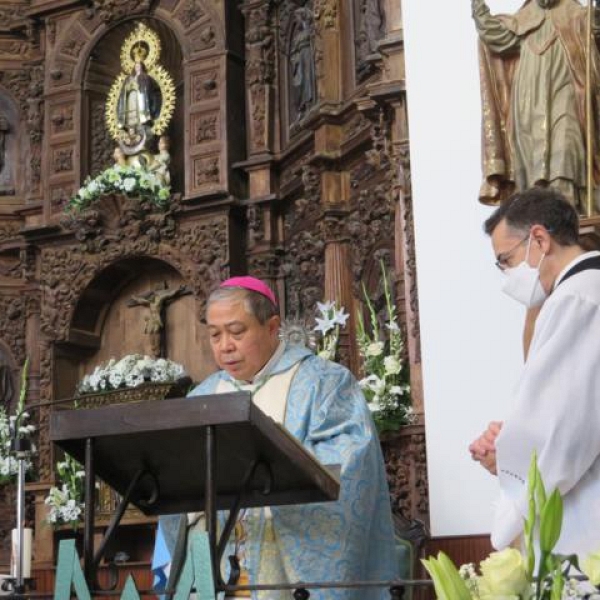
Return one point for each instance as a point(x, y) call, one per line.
point(289, 161)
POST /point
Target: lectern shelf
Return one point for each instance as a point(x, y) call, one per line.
point(167, 439)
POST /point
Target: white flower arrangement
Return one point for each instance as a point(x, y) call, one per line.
point(385, 382)
point(65, 501)
point(328, 325)
point(133, 181)
point(12, 428)
point(131, 371)
point(510, 575)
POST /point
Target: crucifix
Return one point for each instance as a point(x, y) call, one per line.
point(157, 301)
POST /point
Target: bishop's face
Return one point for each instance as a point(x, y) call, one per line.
point(240, 344)
point(547, 3)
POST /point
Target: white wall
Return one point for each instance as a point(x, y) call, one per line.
point(470, 331)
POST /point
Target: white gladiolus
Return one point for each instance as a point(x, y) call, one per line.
point(392, 365)
point(374, 349)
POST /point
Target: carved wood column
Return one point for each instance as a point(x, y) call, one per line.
point(393, 15)
point(329, 51)
point(405, 248)
point(335, 182)
point(263, 226)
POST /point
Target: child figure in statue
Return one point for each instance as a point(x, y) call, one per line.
point(119, 157)
point(160, 166)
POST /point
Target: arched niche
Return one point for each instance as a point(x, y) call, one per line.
point(102, 68)
point(104, 326)
point(298, 67)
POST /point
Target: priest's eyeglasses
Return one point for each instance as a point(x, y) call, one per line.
point(503, 258)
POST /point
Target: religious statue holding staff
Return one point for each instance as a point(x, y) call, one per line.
point(535, 115)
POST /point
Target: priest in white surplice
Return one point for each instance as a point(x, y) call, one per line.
point(556, 409)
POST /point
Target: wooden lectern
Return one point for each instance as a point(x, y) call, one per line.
point(205, 453)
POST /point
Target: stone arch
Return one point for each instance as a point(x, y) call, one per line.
point(180, 22)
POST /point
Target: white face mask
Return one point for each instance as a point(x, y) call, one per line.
point(523, 282)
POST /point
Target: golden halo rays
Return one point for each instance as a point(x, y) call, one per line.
point(142, 37)
point(144, 43)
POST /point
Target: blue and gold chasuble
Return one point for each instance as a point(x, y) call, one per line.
point(351, 539)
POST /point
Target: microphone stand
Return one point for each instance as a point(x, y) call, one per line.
point(18, 585)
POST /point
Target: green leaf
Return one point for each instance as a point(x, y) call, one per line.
point(551, 522)
point(558, 583)
point(529, 523)
point(540, 492)
point(448, 584)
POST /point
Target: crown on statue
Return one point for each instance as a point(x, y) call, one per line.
point(139, 53)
